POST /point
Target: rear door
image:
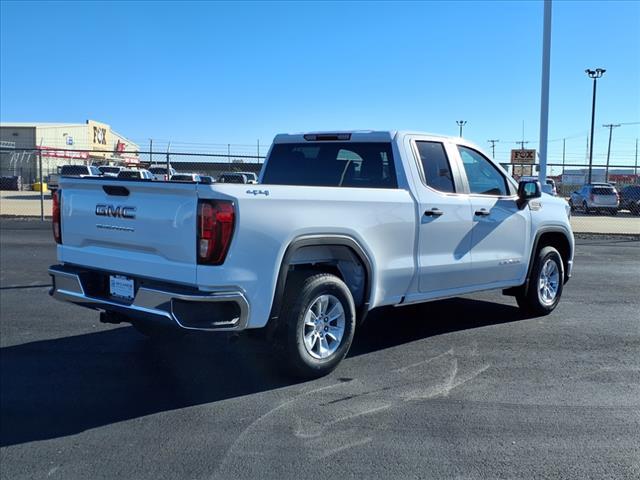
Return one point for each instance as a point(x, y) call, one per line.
point(138, 227)
point(501, 231)
point(444, 243)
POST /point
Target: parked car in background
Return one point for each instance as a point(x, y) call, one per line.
point(72, 171)
point(630, 199)
point(185, 177)
point(232, 177)
point(110, 170)
point(159, 172)
point(207, 180)
point(548, 187)
point(131, 174)
point(594, 197)
point(252, 177)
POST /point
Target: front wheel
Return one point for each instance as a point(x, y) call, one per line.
point(317, 325)
point(544, 290)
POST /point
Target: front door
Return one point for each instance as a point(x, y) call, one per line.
point(500, 233)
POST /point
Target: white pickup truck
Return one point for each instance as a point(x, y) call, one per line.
point(339, 224)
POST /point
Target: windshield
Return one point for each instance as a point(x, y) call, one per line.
point(74, 170)
point(332, 164)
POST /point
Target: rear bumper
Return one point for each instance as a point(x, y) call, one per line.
point(165, 305)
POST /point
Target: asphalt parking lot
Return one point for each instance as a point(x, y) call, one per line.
point(463, 388)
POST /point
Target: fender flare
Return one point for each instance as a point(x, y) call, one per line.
point(541, 231)
point(320, 240)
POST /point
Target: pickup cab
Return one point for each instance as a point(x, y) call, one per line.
point(339, 224)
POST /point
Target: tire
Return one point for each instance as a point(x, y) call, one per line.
point(572, 207)
point(309, 302)
point(547, 267)
point(613, 212)
point(585, 208)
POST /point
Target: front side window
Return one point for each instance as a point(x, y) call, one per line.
point(332, 164)
point(435, 165)
point(483, 177)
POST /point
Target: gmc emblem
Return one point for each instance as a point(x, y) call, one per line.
point(119, 211)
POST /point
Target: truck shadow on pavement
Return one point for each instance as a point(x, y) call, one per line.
point(63, 386)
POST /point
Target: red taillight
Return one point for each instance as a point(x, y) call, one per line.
point(215, 229)
point(55, 216)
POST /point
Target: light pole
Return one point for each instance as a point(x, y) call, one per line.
point(595, 74)
point(461, 123)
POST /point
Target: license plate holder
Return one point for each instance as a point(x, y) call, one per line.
point(121, 287)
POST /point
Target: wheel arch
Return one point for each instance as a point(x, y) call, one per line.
point(557, 238)
point(339, 254)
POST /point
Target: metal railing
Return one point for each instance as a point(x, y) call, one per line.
point(24, 174)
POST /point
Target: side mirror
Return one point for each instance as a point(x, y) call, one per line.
point(527, 190)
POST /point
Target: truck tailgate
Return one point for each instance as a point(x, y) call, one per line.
point(142, 228)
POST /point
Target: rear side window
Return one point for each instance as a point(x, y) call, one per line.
point(109, 169)
point(435, 165)
point(332, 164)
point(603, 191)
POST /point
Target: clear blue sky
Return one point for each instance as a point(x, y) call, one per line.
point(237, 72)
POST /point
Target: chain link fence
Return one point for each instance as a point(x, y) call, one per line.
point(25, 175)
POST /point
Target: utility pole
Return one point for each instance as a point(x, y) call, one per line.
point(493, 147)
point(461, 123)
point(635, 166)
point(610, 126)
point(544, 95)
point(168, 163)
point(41, 181)
point(522, 143)
point(564, 144)
point(595, 74)
point(228, 153)
point(258, 159)
point(151, 151)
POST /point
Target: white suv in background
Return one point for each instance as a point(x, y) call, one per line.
point(159, 172)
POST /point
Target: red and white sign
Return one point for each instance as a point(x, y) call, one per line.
point(55, 153)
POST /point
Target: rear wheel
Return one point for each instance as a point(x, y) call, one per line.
point(545, 285)
point(317, 324)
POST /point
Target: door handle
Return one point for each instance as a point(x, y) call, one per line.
point(483, 212)
point(434, 212)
